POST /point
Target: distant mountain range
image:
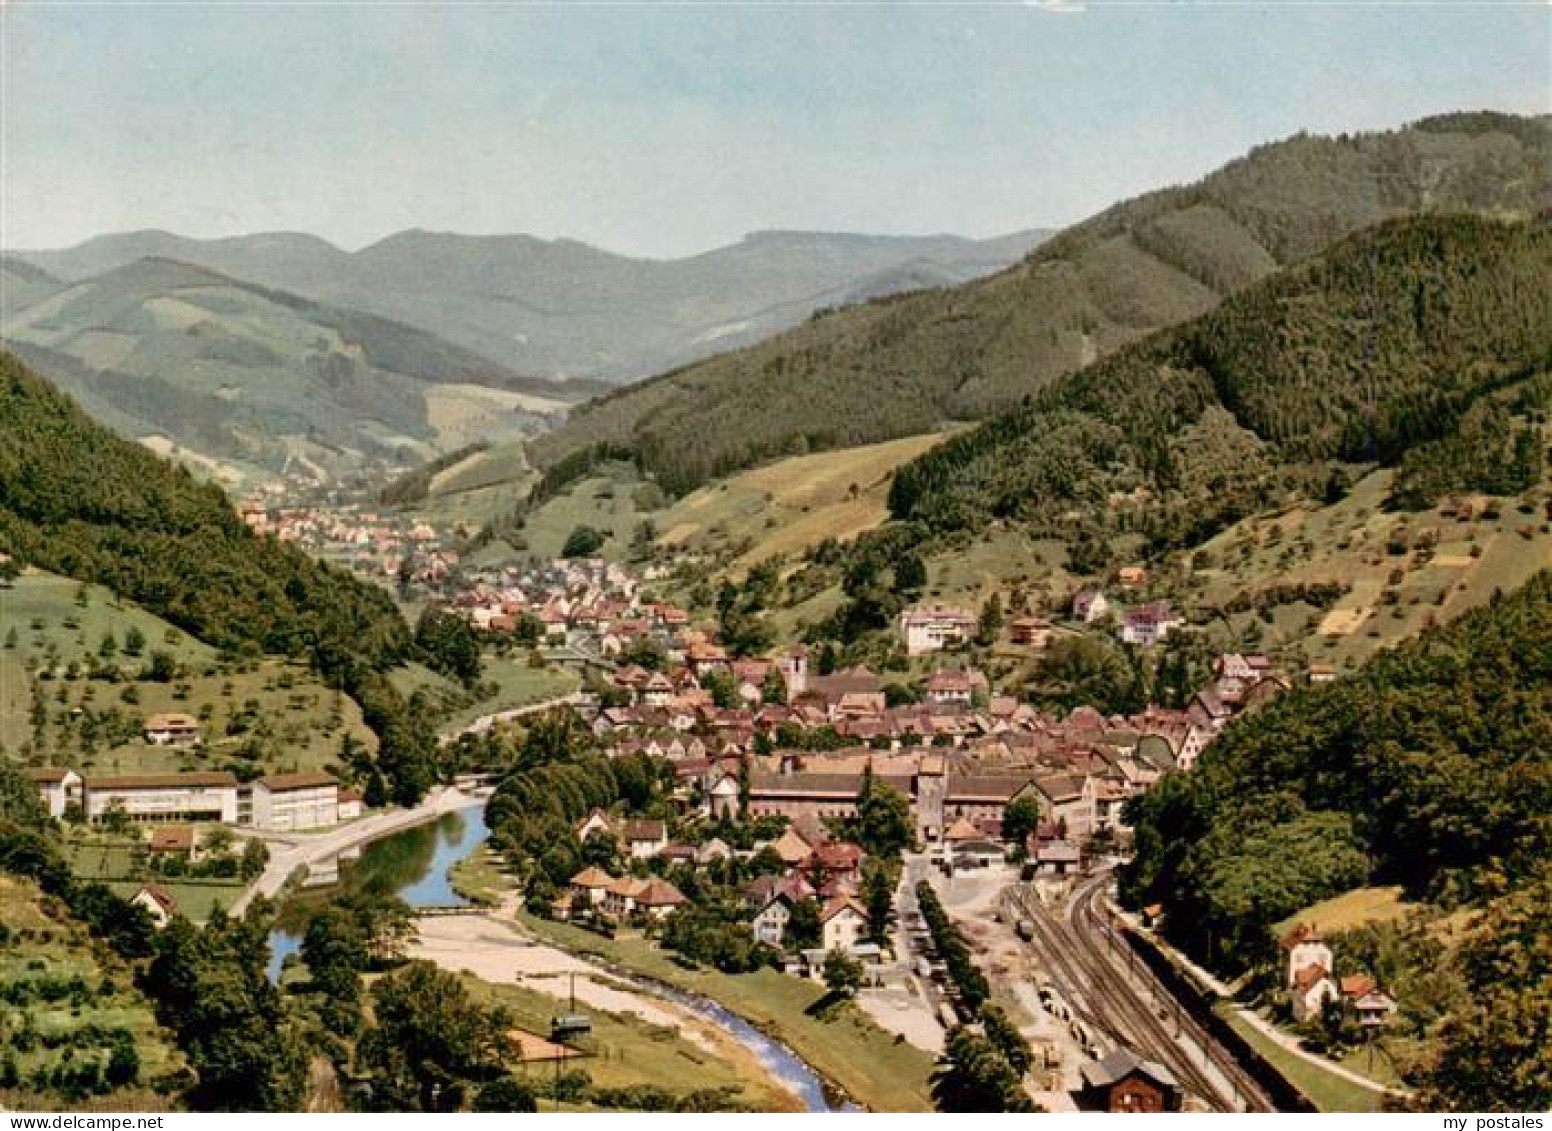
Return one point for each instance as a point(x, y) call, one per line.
point(559, 308)
point(233, 376)
point(907, 364)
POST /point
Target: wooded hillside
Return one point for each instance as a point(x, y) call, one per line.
point(1388, 349)
point(907, 364)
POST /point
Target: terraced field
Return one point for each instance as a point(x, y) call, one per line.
point(66, 1007)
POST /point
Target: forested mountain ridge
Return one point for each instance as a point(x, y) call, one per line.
point(241, 373)
point(1429, 768)
point(1415, 343)
point(80, 501)
point(561, 307)
point(906, 364)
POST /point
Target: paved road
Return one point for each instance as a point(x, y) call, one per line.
point(485, 722)
point(290, 851)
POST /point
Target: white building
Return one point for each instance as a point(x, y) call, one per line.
point(57, 788)
point(1089, 605)
point(173, 729)
point(842, 923)
point(210, 796)
point(349, 804)
point(1149, 624)
point(770, 922)
point(156, 902)
point(289, 802)
point(932, 628)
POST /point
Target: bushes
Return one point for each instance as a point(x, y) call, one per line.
point(716, 936)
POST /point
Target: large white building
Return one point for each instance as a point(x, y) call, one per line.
point(210, 796)
point(290, 802)
point(932, 628)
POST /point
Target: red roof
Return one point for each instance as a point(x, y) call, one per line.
point(1357, 985)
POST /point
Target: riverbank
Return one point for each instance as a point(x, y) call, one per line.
point(490, 949)
point(290, 852)
point(863, 1063)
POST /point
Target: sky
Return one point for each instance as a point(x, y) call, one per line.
point(663, 130)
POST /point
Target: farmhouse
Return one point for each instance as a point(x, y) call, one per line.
point(591, 886)
point(172, 840)
point(1033, 632)
point(156, 902)
point(947, 688)
point(659, 899)
point(643, 839)
point(842, 923)
point(1089, 605)
point(174, 729)
point(1149, 624)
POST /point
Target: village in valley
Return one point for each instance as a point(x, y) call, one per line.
point(776, 559)
point(776, 770)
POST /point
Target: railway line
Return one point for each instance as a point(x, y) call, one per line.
point(1106, 1001)
point(1094, 927)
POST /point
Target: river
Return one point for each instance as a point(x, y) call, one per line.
point(415, 864)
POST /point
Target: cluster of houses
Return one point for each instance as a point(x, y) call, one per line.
point(587, 602)
point(1144, 625)
point(959, 754)
point(816, 868)
point(276, 803)
point(377, 543)
point(924, 629)
point(1312, 982)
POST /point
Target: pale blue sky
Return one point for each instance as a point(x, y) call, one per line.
point(664, 130)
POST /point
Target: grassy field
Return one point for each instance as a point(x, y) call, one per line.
point(1398, 587)
point(1405, 571)
point(259, 716)
point(606, 501)
point(55, 617)
point(38, 944)
point(874, 1068)
point(269, 717)
point(481, 876)
point(120, 862)
point(624, 1051)
point(515, 685)
point(792, 504)
point(475, 490)
point(195, 899)
point(1325, 1090)
point(1350, 909)
point(15, 702)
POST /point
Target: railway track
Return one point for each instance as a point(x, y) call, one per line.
point(1094, 928)
point(1108, 1003)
